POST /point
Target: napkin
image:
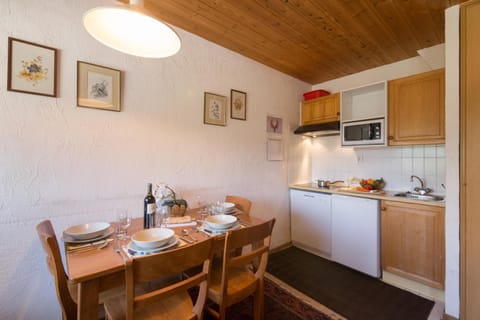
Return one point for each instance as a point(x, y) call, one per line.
point(185, 221)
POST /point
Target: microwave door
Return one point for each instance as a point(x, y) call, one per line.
point(353, 133)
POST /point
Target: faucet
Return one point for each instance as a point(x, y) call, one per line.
point(421, 189)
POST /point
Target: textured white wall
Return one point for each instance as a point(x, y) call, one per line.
point(74, 165)
point(452, 217)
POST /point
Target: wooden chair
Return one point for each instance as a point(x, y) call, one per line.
point(234, 280)
point(170, 302)
point(242, 204)
point(65, 289)
point(63, 286)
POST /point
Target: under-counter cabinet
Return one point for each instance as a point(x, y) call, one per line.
point(311, 221)
point(320, 110)
point(413, 241)
point(416, 109)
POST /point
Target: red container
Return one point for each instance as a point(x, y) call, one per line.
point(315, 94)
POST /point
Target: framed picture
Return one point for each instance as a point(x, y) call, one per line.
point(98, 87)
point(32, 68)
point(274, 125)
point(215, 108)
point(238, 105)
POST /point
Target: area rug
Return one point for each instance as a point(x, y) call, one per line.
point(349, 293)
point(281, 303)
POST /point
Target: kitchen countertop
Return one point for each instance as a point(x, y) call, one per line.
point(386, 195)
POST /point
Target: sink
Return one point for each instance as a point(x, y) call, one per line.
point(417, 196)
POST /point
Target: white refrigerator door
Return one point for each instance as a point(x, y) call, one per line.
point(311, 220)
point(356, 233)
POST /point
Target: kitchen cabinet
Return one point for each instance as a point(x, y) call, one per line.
point(356, 233)
point(413, 241)
point(320, 110)
point(311, 221)
point(416, 109)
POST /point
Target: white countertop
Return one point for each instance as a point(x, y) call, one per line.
point(385, 195)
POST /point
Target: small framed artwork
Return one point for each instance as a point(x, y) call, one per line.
point(215, 109)
point(274, 125)
point(238, 105)
point(32, 68)
point(274, 150)
point(98, 87)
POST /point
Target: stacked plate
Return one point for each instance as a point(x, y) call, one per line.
point(153, 238)
point(87, 232)
point(220, 223)
point(225, 208)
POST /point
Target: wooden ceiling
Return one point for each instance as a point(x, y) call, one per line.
point(312, 40)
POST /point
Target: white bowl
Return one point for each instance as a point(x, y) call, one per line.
point(221, 221)
point(225, 207)
point(87, 230)
point(152, 238)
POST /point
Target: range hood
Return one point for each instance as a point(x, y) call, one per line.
point(320, 130)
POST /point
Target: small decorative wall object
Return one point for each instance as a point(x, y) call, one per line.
point(32, 68)
point(238, 105)
point(215, 107)
point(98, 87)
point(274, 125)
point(274, 149)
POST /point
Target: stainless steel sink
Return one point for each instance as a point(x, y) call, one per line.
point(417, 196)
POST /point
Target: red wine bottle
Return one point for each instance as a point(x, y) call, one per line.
point(149, 209)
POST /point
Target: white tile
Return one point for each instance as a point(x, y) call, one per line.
point(407, 152)
point(418, 151)
point(430, 166)
point(440, 150)
point(430, 151)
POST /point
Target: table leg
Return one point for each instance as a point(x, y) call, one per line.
point(88, 299)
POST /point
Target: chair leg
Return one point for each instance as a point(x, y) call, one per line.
point(258, 304)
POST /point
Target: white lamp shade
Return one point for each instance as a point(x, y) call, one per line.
point(131, 32)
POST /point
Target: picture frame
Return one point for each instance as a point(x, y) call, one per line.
point(238, 105)
point(98, 87)
point(32, 68)
point(215, 109)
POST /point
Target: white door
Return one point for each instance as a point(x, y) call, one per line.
point(356, 233)
point(311, 220)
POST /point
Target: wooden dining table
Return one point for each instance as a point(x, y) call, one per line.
point(100, 270)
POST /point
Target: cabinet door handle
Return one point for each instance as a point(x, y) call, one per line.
point(308, 196)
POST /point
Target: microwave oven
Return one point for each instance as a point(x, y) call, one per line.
point(363, 133)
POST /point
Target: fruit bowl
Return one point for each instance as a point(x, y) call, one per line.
point(372, 184)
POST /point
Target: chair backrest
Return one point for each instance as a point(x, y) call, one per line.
point(241, 203)
point(55, 266)
point(158, 266)
point(258, 237)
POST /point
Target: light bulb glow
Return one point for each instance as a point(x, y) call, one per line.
point(131, 32)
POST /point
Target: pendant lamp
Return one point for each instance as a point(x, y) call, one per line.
point(129, 29)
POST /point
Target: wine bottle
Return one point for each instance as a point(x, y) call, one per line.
point(149, 209)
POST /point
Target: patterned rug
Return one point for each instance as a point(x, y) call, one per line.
point(282, 302)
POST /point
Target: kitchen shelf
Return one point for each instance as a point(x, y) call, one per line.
point(366, 102)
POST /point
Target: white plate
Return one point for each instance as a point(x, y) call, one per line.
point(220, 221)
point(133, 249)
point(68, 239)
point(220, 231)
point(87, 231)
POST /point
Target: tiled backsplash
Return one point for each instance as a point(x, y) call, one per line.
point(395, 164)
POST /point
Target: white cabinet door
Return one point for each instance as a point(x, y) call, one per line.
point(311, 220)
point(356, 233)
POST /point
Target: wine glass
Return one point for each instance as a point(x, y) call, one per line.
point(124, 221)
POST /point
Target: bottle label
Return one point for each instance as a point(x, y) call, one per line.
point(151, 208)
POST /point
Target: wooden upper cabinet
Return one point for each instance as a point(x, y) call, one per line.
point(416, 109)
point(323, 109)
point(413, 242)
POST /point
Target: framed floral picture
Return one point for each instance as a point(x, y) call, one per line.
point(238, 105)
point(98, 86)
point(214, 111)
point(32, 68)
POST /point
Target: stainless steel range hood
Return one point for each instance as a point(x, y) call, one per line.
point(320, 130)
